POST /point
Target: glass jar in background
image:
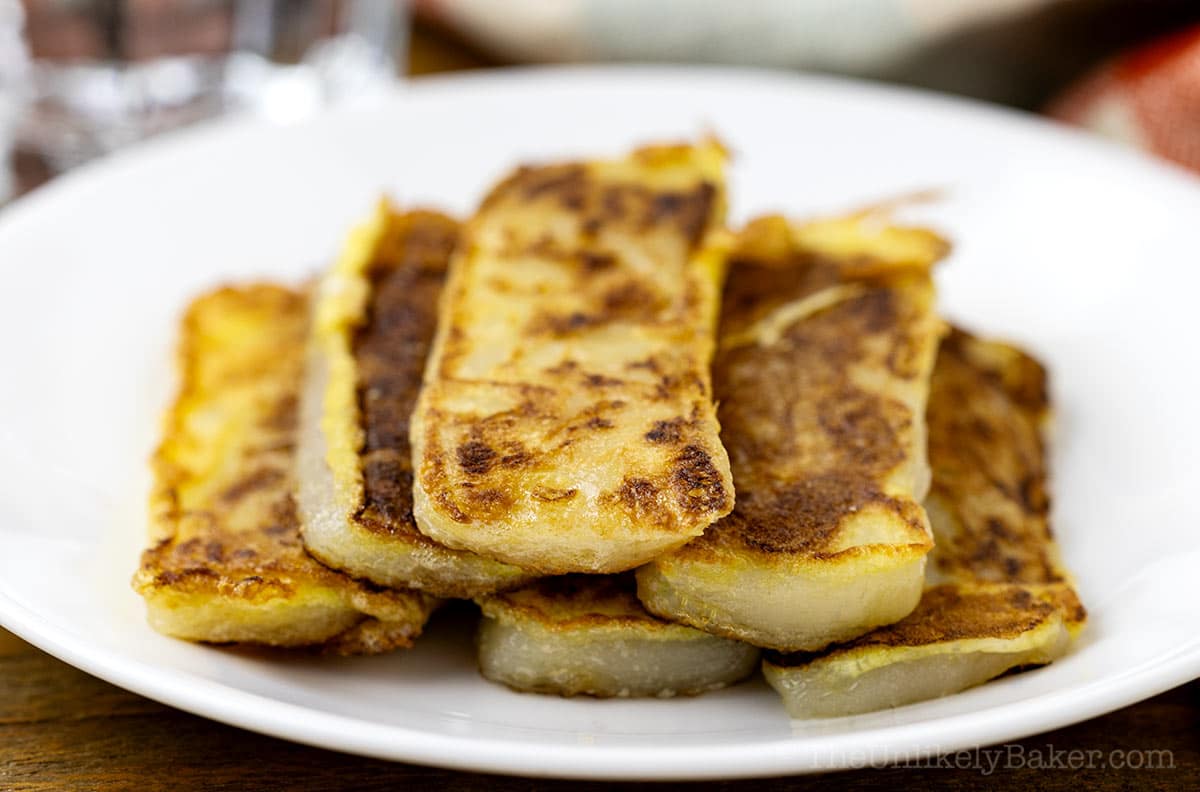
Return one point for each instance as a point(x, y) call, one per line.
point(101, 74)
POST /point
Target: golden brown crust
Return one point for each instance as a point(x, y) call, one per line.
point(622, 205)
point(578, 317)
point(223, 516)
point(811, 440)
point(988, 405)
point(406, 274)
point(952, 612)
point(236, 525)
point(373, 636)
point(575, 602)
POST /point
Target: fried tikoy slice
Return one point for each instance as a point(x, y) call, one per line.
point(999, 597)
point(959, 636)
point(827, 339)
point(588, 634)
point(989, 504)
point(376, 314)
point(226, 563)
point(567, 422)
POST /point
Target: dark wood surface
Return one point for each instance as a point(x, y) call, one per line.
point(61, 729)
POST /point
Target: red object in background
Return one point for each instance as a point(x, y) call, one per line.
point(1149, 97)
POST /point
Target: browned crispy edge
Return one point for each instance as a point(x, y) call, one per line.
point(779, 518)
point(953, 612)
point(582, 591)
point(406, 274)
point(235, 566)
point(694, 481)
point(989, 403)
point(196, 565)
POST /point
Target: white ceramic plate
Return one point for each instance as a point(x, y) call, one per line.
point(1086, 253)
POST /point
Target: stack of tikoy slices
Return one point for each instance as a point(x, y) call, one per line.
point(549, 410)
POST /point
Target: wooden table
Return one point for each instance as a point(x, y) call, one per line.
point(61, 729)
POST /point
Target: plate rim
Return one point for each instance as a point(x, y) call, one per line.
point(772, 756)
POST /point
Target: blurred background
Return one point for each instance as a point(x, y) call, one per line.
point(82, 78)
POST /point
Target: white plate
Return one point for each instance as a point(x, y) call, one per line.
point(1086, 253)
